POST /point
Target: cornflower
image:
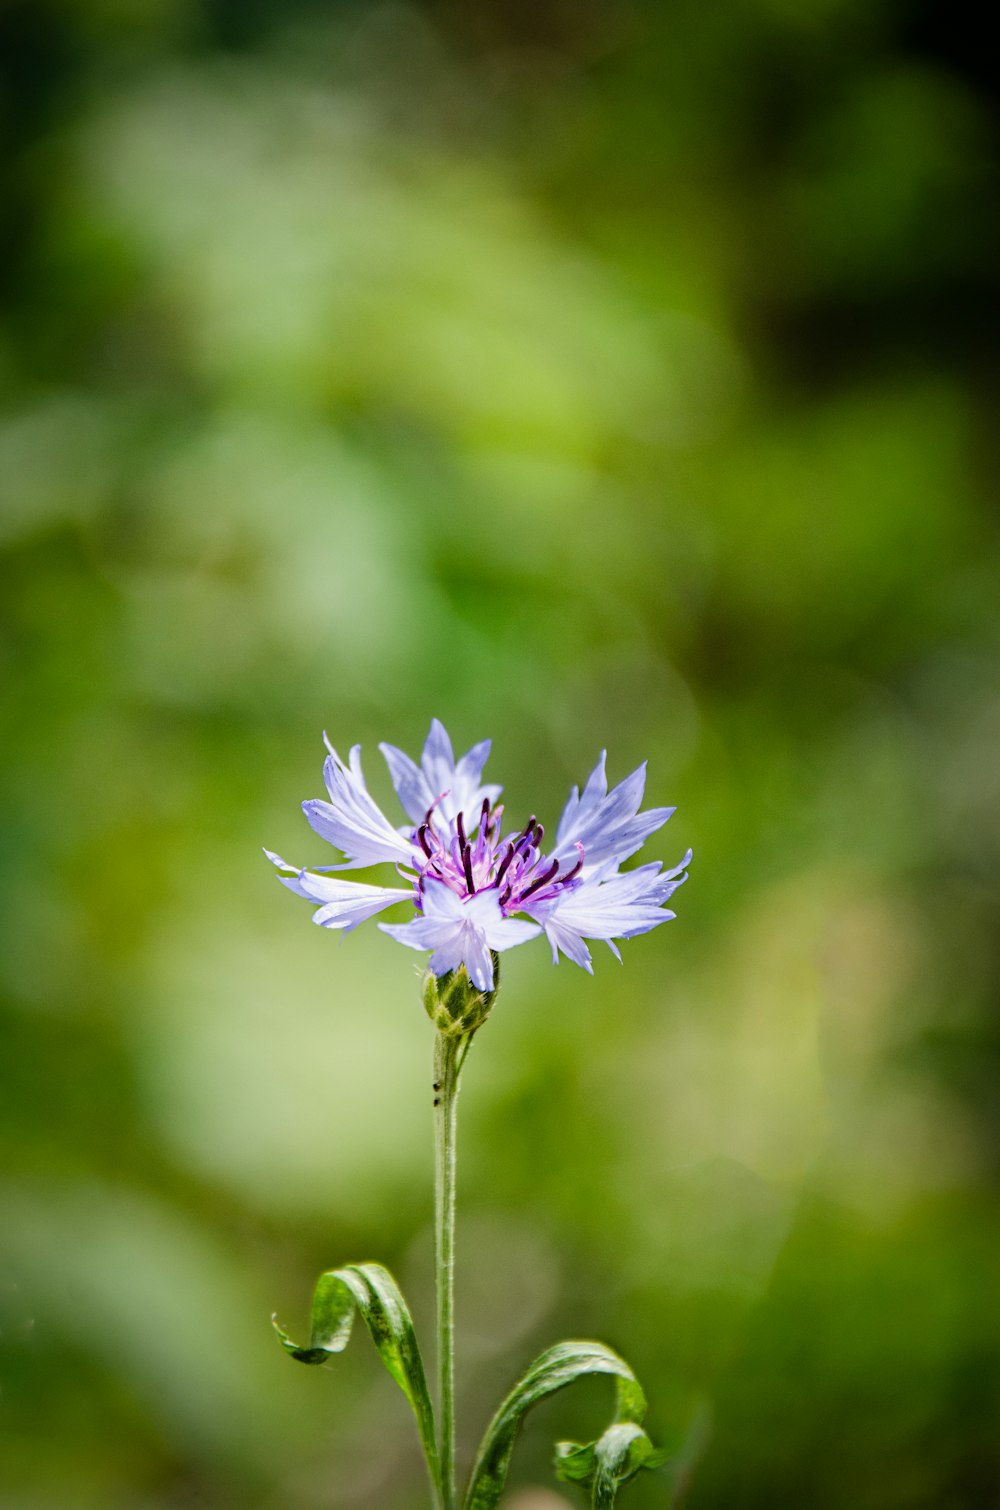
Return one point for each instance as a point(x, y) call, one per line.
point(474, 888)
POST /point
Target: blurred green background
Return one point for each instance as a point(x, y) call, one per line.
point(587, 375)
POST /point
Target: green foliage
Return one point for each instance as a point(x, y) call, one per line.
point(608, 1463)
point(586, 375)
point(623, 1450)
point(371, 1290)
point(551, 1371)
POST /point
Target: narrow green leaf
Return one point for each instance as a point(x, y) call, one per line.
point(551, 1371)
point(370, 1289)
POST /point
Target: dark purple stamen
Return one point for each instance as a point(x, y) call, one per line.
point(504, 864)
point(423, 839)
point(543, 880)
point(460, 825)
point(467, 863)
point(524, 839)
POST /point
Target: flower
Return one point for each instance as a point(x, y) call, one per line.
point(467, 879)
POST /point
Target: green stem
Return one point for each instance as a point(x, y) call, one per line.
point(448, 1057)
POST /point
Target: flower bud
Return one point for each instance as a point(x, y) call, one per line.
point(454, 1005)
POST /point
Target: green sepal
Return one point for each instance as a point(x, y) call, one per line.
point(551, 1371)
point(455, 1006)
point(370, 1289)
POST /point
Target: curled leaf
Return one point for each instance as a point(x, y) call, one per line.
point(619, 1454)
point(624, 1449)
point(370, 1289)
point(551, 1371)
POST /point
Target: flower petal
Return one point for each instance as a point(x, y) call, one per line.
point(570, 943)
point(607, 905)
point(351, 820)
point(409, 782)
point(421, 933)
point(500, 932)
point(439, 901)
point(348, 903)
point(607, 824)
point(439, 781)
point(476, 957)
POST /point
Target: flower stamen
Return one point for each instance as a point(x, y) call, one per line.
point(467, 863)
point(542, 880)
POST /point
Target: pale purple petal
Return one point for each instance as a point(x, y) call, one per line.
point(351, 820)
point(293, 873)
point(499, 932)
point(409, 781)
point(467, 794)
point(443, 903)
point(439, 781)
point(448, 954)
point(619, 907)
point(422, 933)
point(579, 810)
point(439, 928)
point(476, 957)
point(348, 903)
point(438, 759)
point(570, 943)
point(607, 824)
point(607, 905)
point(462, 932)
point(467, 889)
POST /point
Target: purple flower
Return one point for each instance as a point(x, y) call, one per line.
point(467, 879)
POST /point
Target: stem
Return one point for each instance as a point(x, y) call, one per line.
point(448, 1058)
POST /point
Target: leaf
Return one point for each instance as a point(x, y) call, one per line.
point(618, 1455)
point(607, 1463)
point(623, 1450)
point(551, 1371)
point(370, 1289)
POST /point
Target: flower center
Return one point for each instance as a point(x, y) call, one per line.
point(513, 865)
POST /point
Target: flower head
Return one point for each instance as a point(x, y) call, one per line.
point(477, 890)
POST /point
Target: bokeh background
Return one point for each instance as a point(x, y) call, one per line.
point(587, 375)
